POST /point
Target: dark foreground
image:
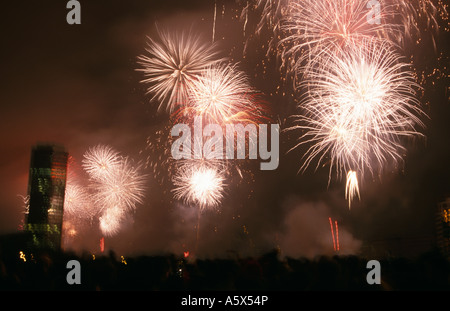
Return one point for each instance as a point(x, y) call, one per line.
point(47, 271)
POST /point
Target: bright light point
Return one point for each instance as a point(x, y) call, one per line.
point(203, 182)
point(22, 256)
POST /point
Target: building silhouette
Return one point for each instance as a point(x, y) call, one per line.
point(46, 188)
point(443, 227)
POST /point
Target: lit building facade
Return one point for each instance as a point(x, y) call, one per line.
point(443, 227)
point(46, 188)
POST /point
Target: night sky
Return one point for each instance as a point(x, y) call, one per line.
point(77, 85)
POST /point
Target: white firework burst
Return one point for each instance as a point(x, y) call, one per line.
point(172, 65)
point(116, 188)
point(124, 187)
point(110, 222)
point(200, 184)
point(76, 200)
point(315, 27)
point(357, 109)
point(100, 161)
point(223, 94)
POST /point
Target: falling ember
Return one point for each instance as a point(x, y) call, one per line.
point(214, 23)
point(337, 234)
point(334, 238)
point(351, 188)
point(246, 17)
point(102, 244)
point(332, 233)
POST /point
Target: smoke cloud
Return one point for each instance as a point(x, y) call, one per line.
point(307, 231)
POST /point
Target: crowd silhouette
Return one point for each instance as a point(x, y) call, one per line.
point(108, 272)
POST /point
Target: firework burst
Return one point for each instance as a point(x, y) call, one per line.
point(116, 186)
point(101, 161)
point(222, 94)
point(317, 27)
point(77, 201)
point(172, 66)
point(123, 188)
point(357, 109)
point(110, 222)
point(199, 183)
point(77, 198)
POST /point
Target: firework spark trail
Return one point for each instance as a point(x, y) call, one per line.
point(303, 29)
point(158, 155)
point(357, 110)
point(172, 65)
point(420, 17)
point(315, 27)
point(311, 27)
point(351, 188)
point(214, 21)
point(332, 233)
point(337, 235)
point(245, 13)
point(272, 11)
point(334, 237)
point(271, 16)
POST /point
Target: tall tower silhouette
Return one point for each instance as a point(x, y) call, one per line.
point(46, 188)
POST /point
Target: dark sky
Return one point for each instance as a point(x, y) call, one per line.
point(77, 85)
